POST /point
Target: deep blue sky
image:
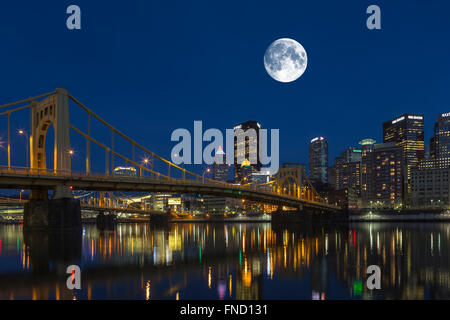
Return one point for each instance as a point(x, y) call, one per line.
point(150, 67)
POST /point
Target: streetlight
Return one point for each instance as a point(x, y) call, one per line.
point(205, 171)
point(71, 153)
point(144, 163)
point(25, 133)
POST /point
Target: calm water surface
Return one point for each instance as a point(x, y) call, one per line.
point(228, 261)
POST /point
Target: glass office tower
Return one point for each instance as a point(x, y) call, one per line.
point(244, 140)
point(318, 161)
point(407, 132)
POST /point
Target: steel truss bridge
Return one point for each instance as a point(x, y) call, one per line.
point(291, 187)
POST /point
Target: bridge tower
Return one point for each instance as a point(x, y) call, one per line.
point(53, 110)
point(291, 181)
point(62, 211)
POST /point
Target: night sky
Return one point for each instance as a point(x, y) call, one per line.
point(150, 67)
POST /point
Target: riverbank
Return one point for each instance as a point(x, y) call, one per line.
point(265, 218)
point(416, 217)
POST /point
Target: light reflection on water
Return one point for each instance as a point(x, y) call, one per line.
point(228, 261)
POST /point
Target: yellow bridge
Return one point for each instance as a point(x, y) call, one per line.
point(290, 188)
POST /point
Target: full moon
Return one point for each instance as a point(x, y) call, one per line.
point(285, 60)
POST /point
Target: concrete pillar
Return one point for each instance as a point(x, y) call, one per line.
point(54, 214)
point(62, 192)
point(39, 194)
point(62, 131)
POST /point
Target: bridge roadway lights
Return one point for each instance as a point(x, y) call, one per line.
point(41, 213)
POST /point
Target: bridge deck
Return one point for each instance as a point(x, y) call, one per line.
point(38, 179)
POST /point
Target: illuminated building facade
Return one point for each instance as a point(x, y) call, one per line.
point(407, 131)
point(246, 148)
point(429, 182)
point(439, 145)
point(381, 174)
point(318, 161)
point(440, 142)
point(125, 172)
point(346, 171)
point(166, 202)
point(214, 204)
point(260, 177)
point(430, 187)
point(220, 167)
point(345, 198)
point(221, 205)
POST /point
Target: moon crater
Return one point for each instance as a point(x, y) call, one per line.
point(285, 60)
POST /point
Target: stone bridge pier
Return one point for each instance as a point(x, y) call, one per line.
point(62, 212)
point(307, 215)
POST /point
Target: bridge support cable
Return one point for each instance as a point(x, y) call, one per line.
point(9, 141)
point(26, 100)
point(112, 148)
point(88, 147)
point(139, 146)
point(108, 150)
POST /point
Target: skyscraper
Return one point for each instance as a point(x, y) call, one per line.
point(346, 171)
point(440, 142)
point(246, 150)
point(318, 161)
point(407, 131)
point(381, 174)
point(429, 182)
point(220, 167)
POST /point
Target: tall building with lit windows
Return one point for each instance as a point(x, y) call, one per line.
point(439, 145)
point(220, 166)
point(407, 132)
point(246, 144)
point(346, 171)
point(318, 161)
point(382, 181)
point(430, 181)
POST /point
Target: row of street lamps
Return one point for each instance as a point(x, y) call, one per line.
point(23, 132)
point(71, 152)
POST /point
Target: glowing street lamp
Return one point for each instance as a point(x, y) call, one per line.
point(205, 171)
point(145, 162)
point(71, 152)
point(23, 132)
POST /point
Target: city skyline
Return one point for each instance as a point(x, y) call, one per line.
point(233, 157)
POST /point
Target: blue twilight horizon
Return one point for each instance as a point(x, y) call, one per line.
point(150, 67)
